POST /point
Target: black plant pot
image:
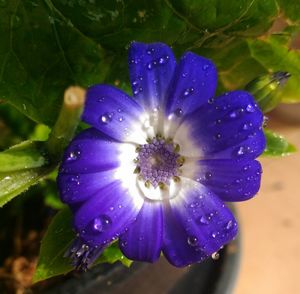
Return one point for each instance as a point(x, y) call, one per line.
point(209, 277)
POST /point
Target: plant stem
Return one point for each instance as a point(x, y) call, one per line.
point(67, 122)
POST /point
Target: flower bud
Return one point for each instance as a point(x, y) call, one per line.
point(266, 89)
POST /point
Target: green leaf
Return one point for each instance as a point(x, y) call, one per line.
point(290, 9)
point(275, 55)
point(26, 155)
point(57, 239)
point(21, 166)
point(49, 45)
point(14, 183)
point(277, 145)
point(266, 89)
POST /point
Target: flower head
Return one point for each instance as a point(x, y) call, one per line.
point(154, 170)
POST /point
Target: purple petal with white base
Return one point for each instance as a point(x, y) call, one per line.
point(225, 125)
point(231, 180)
point(105, 216)
point(197, 224)
point(143, 239)
point(80, 187)
point(91, 151)
point(111, 111)
point(194, 82)
point(151, 68)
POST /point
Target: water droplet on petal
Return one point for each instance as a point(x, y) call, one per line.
point(205, 67)
point(250, 108)
point(178, 112)
point(192, 241)
point(149, 65)
point(208, 175)
point(123, 244)
point(241, 151)
point(74, 155)
point(204, 220)
point(214, 234)
point(105, 118)
point(229, 225)
point(150, 51)
point(101, 223)
point(188, 92)
point(211, 100)
point(163, 60)
point(247, 126)
point(217, 136)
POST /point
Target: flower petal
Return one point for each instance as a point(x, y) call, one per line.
point(114, 113)
point(231, 180)
point(105, 216)
point(196, 225)
point(74, 188)
point(194, 82)
point(89, 152)
point(143, 239)
point(151, 67)
point(228, 127)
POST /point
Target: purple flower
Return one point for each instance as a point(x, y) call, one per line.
point(155, 170)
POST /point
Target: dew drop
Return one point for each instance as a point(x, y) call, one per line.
point(204, 220)
point(121, 118)
point(247, 126)
point(74, 155)
point(163, 60)
point(150, 65)
point(188, 92)
point(150, 51)
point(229, 225)
point(101, 223)
point(214, 234)
point(211, 100)
point(105, 118)
point(241, 151)
point(246, 167)
point(123, 244)
point(192, 241)
point(178, 112)
point(217, 136)
point(208, 175)
point(205, 67)
point(250, 108)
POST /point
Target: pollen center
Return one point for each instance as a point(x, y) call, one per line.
point(158, 162)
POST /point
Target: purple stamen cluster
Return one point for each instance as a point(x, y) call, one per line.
point(158, 162)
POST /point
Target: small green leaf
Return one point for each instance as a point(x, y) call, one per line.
point(57, 239)
point(54, 244)
point(14, 183)
point(277, 145)
point(275, 55)
point(26, 155)
point(266, 89)
point(21, 166)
